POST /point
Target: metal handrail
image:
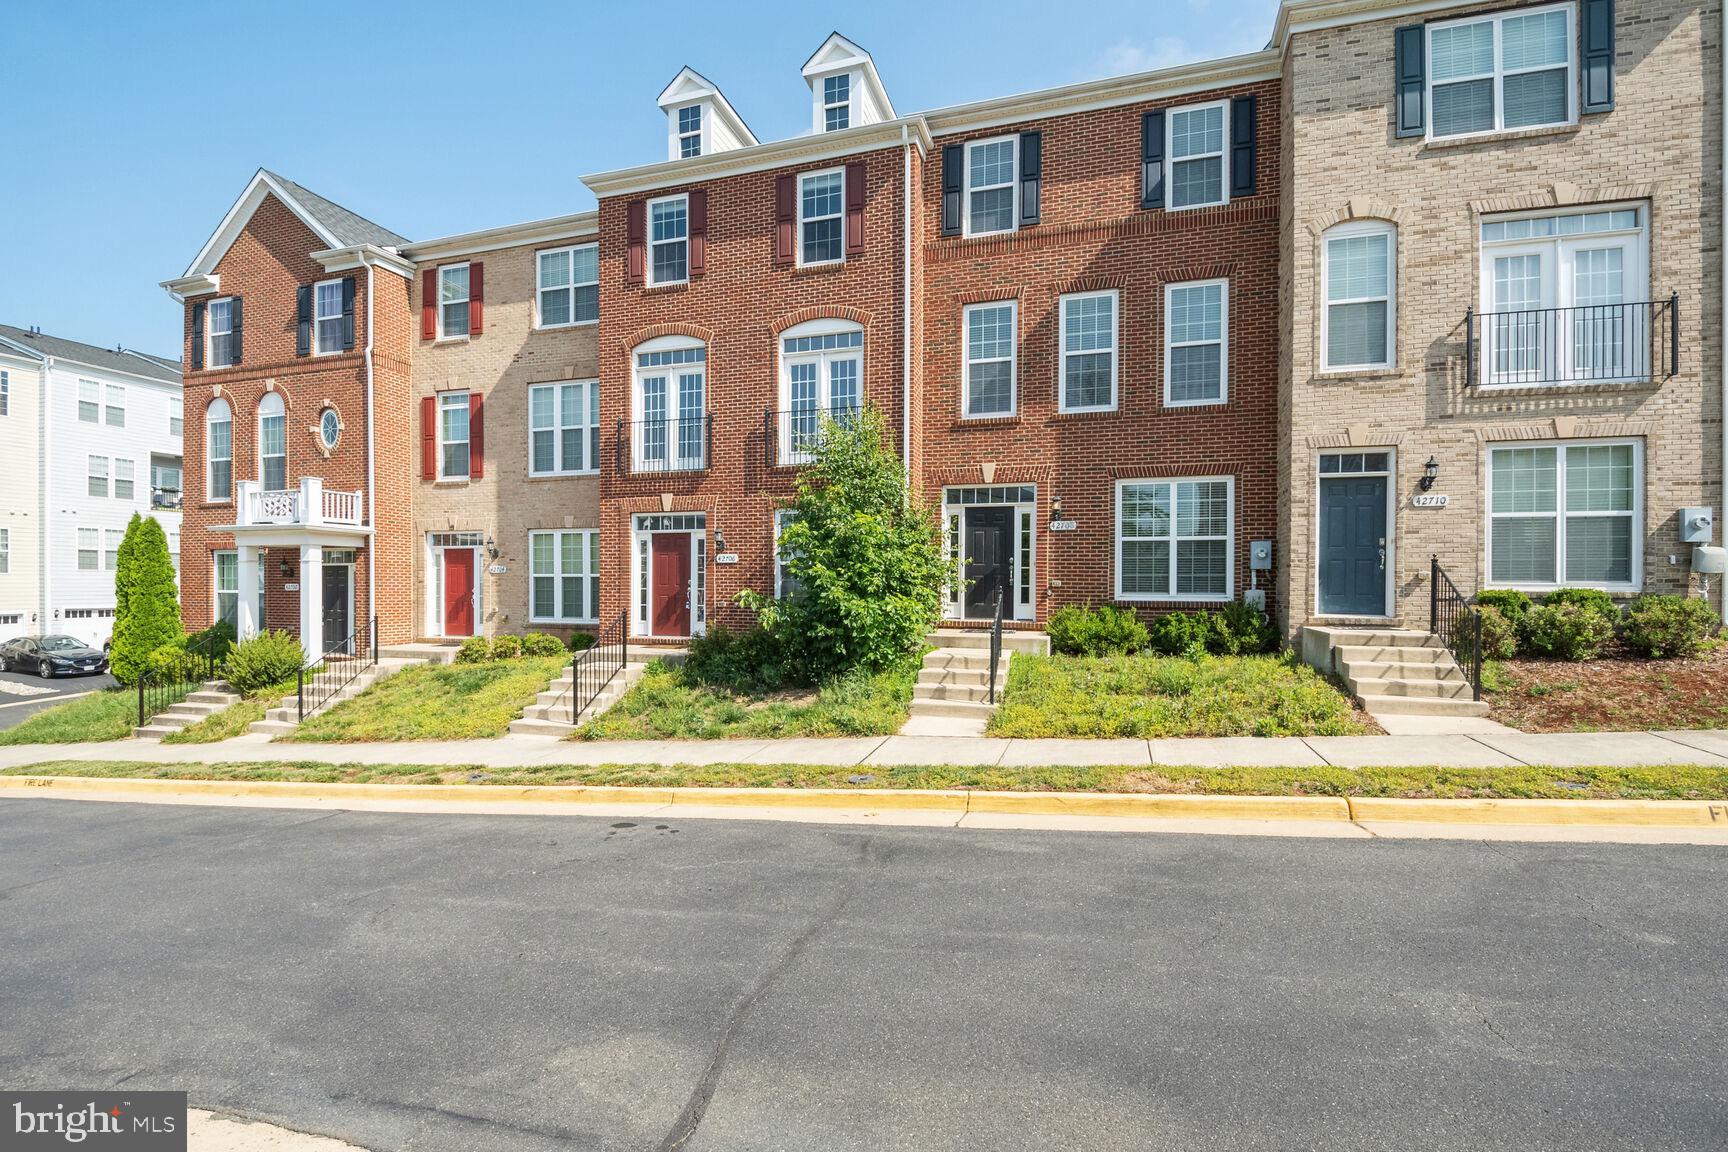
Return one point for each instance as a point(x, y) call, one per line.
point(319, 682)
point(1458, 623)
point(995, 644)
point(792, 434)
point(1583, 344)
point(670, 444)
point(594, 667)
point(161, 689)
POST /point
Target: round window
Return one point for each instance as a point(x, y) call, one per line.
point(329, 429)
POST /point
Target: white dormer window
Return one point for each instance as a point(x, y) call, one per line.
point(690, 131)
point(837, 102)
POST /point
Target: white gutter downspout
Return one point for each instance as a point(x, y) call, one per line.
point(371, 479)
point(1722, 286)
point(45, 475)
point(906, 317)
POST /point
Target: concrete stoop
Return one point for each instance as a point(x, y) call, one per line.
point(211, 697)
point(1394, 671)
point(285, 717)
point(426, 651)
point(549, 715)
point(952, 695)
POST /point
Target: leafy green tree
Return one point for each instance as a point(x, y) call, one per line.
point(146, 605)
point(864, 557)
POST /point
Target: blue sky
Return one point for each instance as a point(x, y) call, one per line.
point(133, 126)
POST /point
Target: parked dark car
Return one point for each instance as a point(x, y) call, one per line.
point(50, 656)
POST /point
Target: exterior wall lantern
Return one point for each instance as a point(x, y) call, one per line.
point(1430, 473)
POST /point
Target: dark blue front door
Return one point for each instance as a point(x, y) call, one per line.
point(1353, 545)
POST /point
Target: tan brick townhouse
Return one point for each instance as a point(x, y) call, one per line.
point(1137, 338)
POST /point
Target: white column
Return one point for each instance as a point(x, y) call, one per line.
point(312, 600)
point(311, 500)
point(251, 620)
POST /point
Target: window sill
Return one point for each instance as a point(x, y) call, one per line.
point(1561, 387)
point(584, 623)
point(818, 269)
point(450, 340)
point(1346, 375)
point(1187, 405)
point(1175, 600)
point(589, 474)
point(999, 235)
point(993, 419)
point(1085, 413)
point(669, 286)
point(566, 327)
point(1441, 143)
point(452, 481)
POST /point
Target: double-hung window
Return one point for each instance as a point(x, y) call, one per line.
point(272, 443)
point(227, 587)
point(564, 428)
point(1502, 72)
point(1358, 278)
point(991, 169)
point(111, 538)
point(452, 301)
point(1196, 343)
point(786, 585)
point(219, 451)
point(1089, 352)
point(689, 131)
point(836, 102)
point(5, 393)
point(89, 402)
point(821, 374)
point(327, 317)
point(219, 333)
point(5, 550)
point(990, 357)
point(453, 436)
point(671, 407)
point(669, 240)
point(564, 569)
point(1196, 151)
point(115, 410)
point(89, 550)
point(1174, 539)
point(822, 216)
point(97, 483)
point(123, 487)
point(569, 286)
point(1565, 514)
point(176, 426)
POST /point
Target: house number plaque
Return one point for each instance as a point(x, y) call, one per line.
point(1063, 525)
point(1430, 500)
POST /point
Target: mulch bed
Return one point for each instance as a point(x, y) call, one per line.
point(1617, 692)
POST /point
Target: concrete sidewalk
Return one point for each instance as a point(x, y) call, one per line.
point(1475, 750)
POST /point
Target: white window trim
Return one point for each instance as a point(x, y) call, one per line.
point(701, 133)
point(467, 472)
point(316, 350)
point(642, 574)
point(1223, 344)
point(216, 589)
point(1344, 232)
point(90, 386)
point(210, 332)
point(673, 417)
point(209, 460)
point(824, 376)
point(1062, 352)
point(95, 549)
point(91, 474)
point(559, 427)
point(802, 219)
point(1498, 76)
point(1229, 593)
point(131, 478)
point(541, 288)
point(781, 518)
point(259, 433)
point(826, 104)
point(5, 393)
point(1027, 563)
point(109, 407)
point(1171, 159)
point(466, 301)
point(966, 188)
point(1560, 515)
point(966, 361)
point(648, 230)
point(558, 575)
point(5, 550)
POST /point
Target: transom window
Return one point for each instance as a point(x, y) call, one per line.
point(821, 374)
point(836, 102)
point(114, 411)
point(569, 286)
point(219, 332)
point(272, 443)
point(219, 451)
point(1565, 514)
point(1174, 539)
point(89, 402)
point(564, 570)
point(453, 436)
point(564, 428)
point(452, 301)
point(990, 173)
point(990, 357)
point(1196, 342)
point(327, 317)
point(1196, 151)
point(822, 217)
point(690, 131)
point(671, 408)
point(1497, 73)
point(1358, 275)
point(1089, 352)
point(669, 240)
point(227, 587)
point(1354, 463)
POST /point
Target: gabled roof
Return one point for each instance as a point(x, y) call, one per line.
point(690, 85)
point(348, 228)
point(333, 224)
point(41, 345)
point(837, 54)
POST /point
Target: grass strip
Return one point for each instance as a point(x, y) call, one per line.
point(671, 703)
point(110, 714)
point(436, 702)
point(233, 720)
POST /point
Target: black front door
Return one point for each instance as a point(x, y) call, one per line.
point(989, 559)
point(1353, 545)
point(338, 620)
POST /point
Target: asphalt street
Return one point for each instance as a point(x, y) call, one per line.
point(470, 983)
point(22, 694)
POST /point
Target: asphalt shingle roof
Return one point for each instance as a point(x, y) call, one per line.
point(348, 228)
point(137, 363)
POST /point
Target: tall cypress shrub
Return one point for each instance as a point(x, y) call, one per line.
point(146, 605)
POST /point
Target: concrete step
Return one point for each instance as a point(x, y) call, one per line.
point(153, 731)
point(1387, 654)
point(1012, 641)
point(208, 696)
point(960, 675)
point(530, 726)
point(423, 651)
point(1399, 671)
point(1422, 706)
point(977, 693)
point(971, 658)
point(1378, 637)
point(273, 727)
point(1432, 689)
point(961, 708)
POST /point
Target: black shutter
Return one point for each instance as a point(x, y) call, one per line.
point(1596, 54)
point(1031, 175)
point(303, 320)
point(1242, 124)
point(953, 159)
point(347, 312)
point(238, 320)
point(198, 334)
point(1152, 159)
point(1410, 66)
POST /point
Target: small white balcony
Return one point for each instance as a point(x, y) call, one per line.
point(311, 505)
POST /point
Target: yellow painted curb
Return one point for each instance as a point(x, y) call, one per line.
point(1163, 805)
point(1643, 813)
point(310, 790)
point(876, 799)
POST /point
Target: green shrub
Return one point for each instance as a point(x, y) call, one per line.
point(146, 606)
point(264, 659)
point(1667, 626)
point(506, 647)
point(1182, 633)
point(582, 641)
point(542, 644)
point(1102, 631)
point(474, 650)
point(1499, 636)
point(218, 640)
point(1565, 631)
point(751, 660)
point(1593, 599)
point(1509, 602)
point(172, 664)
point(1238, 630)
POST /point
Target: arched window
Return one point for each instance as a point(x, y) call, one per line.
point(218, 451)
point(669, 405)
point(1359, 289)
point(821, 373)
point(272, 443)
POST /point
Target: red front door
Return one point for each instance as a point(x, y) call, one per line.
point(458, 591)
point(671, 584)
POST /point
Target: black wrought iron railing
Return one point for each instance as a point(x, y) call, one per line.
point(341, 663)
point(995, 644)
point(1457, 622)
point(675, 444)
point(1586, 344)
point(593, 668)
point(792, 434)
point(162, 687)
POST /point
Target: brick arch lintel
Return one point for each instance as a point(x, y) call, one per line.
point(821, 312)
point(1561, 194)
point(1357, 208)
point(655, 331)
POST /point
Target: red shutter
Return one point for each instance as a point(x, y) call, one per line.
point(476, 298)
point(854, 209)
point(429, 304)
point(429, 436)
point(698, 233)
point(476, 436)
point(785, 195)
point(636, 227)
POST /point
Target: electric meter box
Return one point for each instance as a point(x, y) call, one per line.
point(1260, 556)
